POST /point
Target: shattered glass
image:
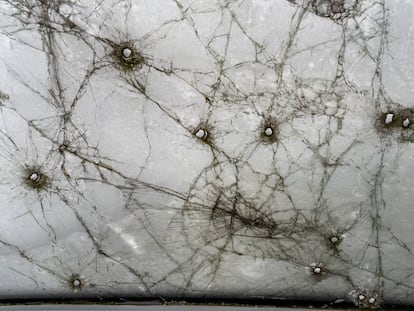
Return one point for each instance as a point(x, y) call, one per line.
point(219, 149)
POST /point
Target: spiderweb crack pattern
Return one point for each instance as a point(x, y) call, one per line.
point(205, 149)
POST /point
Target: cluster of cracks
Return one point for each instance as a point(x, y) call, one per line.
point(336, 10)
point(215, 219)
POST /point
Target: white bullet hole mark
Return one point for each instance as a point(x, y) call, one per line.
point(334, 239)
point(371, 300)
point(76, 282)
point(34, 177)
point(406, 122)
point(317, 270)
point(268, 131)
point(388, 118)
point(361, 297)
point(127, 52)
point(201, 134)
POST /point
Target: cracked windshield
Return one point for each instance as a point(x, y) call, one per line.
point(226, 149)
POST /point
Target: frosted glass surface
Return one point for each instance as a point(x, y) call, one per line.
point(207, 149)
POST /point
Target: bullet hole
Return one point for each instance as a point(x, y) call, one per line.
point(126, 53)
point(406, 117)
point(335, 238)
point(201, 133)
point(268, 131)
point(406, 123)
point(389, 117)
point(76, 282)
point(361, 297)
point(373, 301)
point(35, 179)
point(126, 57)
point(317, 269)
point(63, 147)
point(387, 121)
